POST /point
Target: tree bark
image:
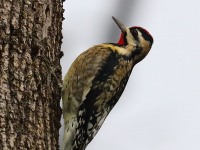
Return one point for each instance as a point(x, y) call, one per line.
point(30, 36)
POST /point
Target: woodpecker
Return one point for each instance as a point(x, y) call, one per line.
point(95, 82)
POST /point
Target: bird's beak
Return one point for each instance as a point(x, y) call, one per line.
point(120, 24)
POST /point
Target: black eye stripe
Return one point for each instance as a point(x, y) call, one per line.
point(134, 33)
point(146, 36)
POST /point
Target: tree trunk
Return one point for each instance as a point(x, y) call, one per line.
point(30, 43)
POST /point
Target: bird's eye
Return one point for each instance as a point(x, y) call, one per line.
point(134, 33)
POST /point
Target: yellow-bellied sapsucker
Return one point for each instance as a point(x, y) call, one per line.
point(95, 82)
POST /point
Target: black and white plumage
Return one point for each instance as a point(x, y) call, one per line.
point(95, 82)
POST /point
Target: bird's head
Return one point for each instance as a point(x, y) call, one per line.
point(136, 37)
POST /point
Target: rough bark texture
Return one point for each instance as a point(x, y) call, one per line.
point(29, 94)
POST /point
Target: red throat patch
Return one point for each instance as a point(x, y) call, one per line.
point(121, 39)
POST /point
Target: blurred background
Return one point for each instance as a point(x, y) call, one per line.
point(160, 107)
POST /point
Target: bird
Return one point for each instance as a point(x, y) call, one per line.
point(95, 82)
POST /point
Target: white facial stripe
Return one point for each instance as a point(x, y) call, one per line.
point(130, 39)
point(144, 43)
point(140, 35)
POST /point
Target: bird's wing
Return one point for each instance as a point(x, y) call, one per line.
point(76, 86)
point(78, 80)
point(105, 89)
point(92, 86)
